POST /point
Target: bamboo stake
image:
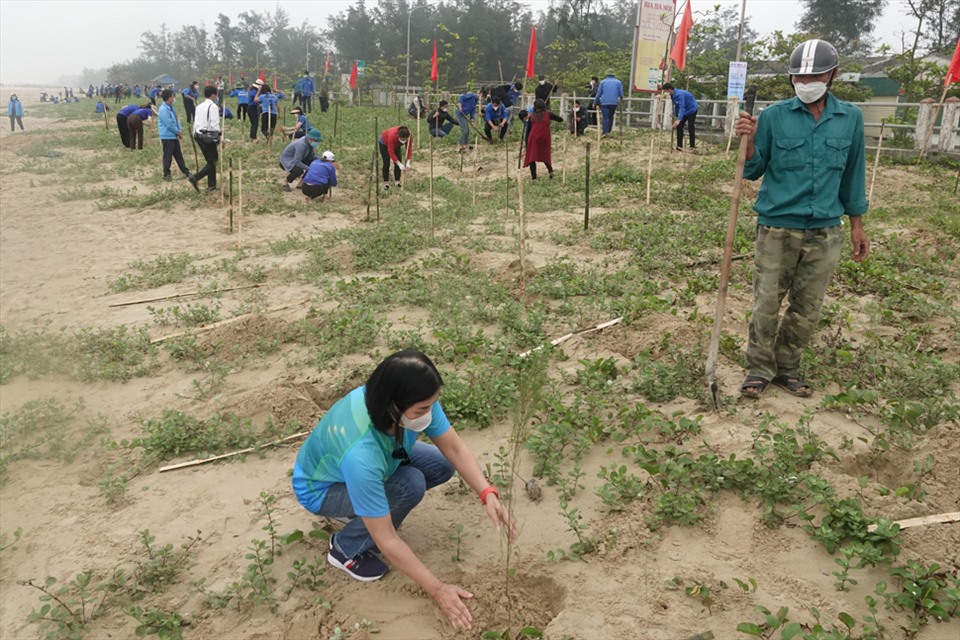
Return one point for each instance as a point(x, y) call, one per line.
point(182, 295)
point(876, 162)
point(240, 205)
point(522, 231)
point(430, 141)
point(373, 176)
point(506, 194)
point(417, 102)
point(586, 194)
point(563, 159)
point(194, 463)
point(732, 104)
point(217, 325)
point(650, 168)
point(223, 146)
point(231, 195)
point(193, 143)
point(599, 132)
point(376, 170)
point(476, 166)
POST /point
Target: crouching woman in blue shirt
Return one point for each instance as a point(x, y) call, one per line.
point(320, 178)
point(363, 462)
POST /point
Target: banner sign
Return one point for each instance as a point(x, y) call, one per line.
point(656, 23)
point(737, 79)
point(361, 68)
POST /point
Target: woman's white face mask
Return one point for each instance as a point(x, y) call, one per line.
point(809, 92)
point(417, 424)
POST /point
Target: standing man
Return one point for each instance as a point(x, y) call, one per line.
point(544, 90)
point(241, 95)
point(267, 101)
point(206, 131)
point(15, 112)
point(253, 109)
point(685, 109)
point(609, 95)
point(306, 92)
point(170, 135)
point(810, 152)
point(190, 95)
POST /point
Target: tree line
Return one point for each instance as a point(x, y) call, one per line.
point(485, 41)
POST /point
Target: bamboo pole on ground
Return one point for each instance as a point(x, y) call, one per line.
point(876, 162)
point(733, 103)
point(193, 463)
point(476, 166)
point(182, 295)
point(586, 193)
point(649, 169)
point(106, 125)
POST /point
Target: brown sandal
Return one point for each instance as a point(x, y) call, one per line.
point(794, 386)
point(753, 387)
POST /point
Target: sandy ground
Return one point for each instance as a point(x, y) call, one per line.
point(55, 264)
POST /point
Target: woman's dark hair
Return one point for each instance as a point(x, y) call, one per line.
point(399, 382)
point(404, 133)
point(166, 94)
point(266, 89)
point(539, 105)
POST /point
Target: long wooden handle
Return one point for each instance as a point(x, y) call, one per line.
point(711, 365)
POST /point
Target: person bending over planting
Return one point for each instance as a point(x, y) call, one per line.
point(363, 462)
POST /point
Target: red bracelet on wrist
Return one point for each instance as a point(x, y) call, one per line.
point(486, 492)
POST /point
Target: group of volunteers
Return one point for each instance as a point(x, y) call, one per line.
point(364, 463)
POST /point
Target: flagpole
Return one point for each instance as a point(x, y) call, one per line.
point(633, 63)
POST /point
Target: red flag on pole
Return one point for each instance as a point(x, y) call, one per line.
point(263, 74)
point(434, 69)
point(231, 77)
point(953, 71)
point(679, 52)
point(326, 67)
point(353, 76)
point(532, 52)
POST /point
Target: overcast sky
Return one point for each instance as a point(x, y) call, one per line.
point(41, 40)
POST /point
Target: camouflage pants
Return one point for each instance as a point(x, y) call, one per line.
point(796, 263)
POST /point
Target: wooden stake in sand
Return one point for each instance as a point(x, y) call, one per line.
point(373, 176)
point(240, 204)
point(563, 159)
point(231, 195)
point(336, 119)
point(876, 163)
point(586, 193)
point(599, 133)
point(194, 463)
point(476, 166)
point(650, 168)
point(522, 232)
point(223, 148)
point(732, 105)
point(506, 193)
point(431, 182)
